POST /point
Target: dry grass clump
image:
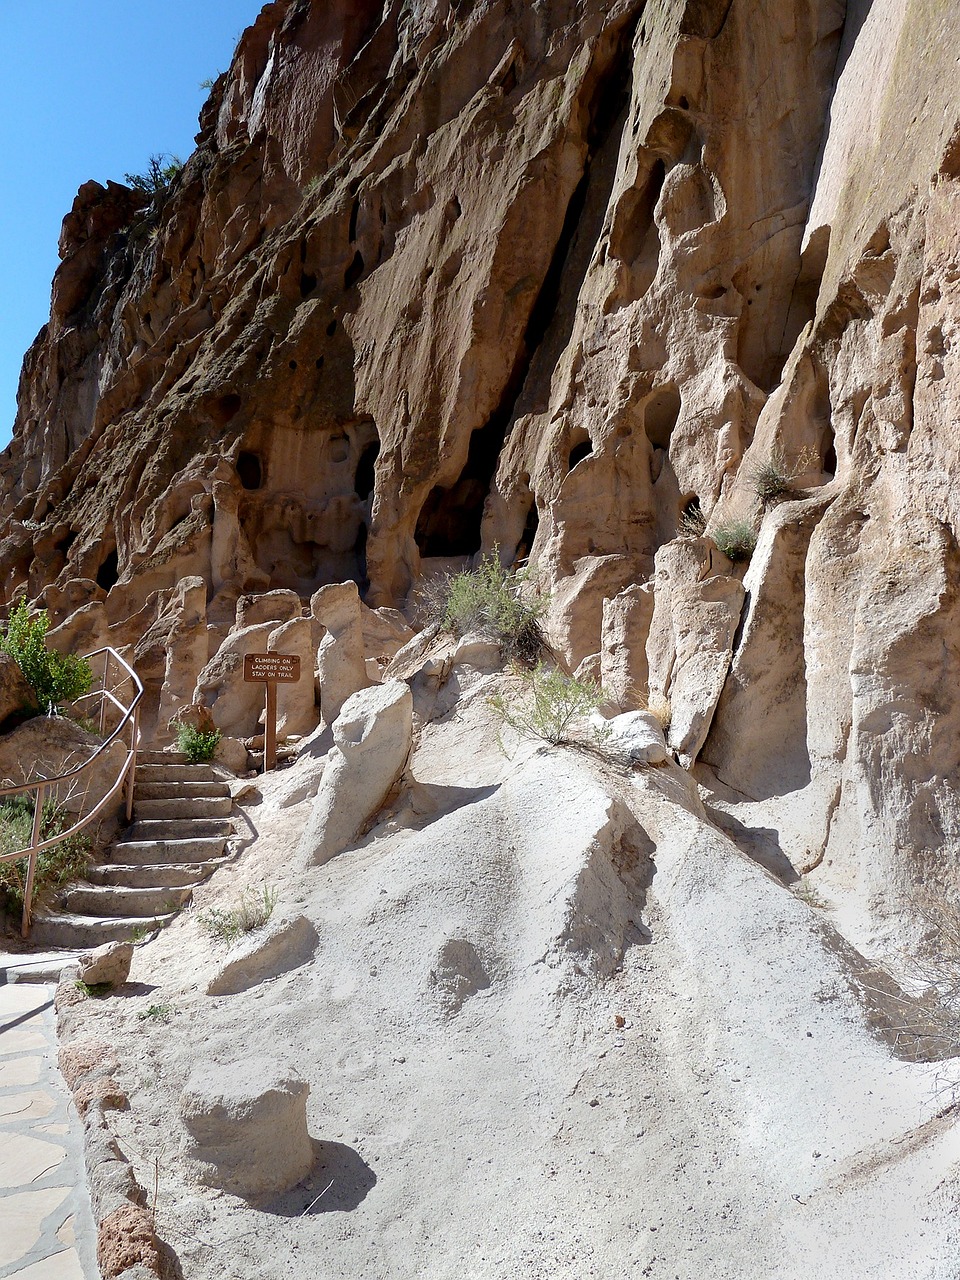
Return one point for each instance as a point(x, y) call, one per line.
point(658, 704)
point(774, 477)
point(252, 912)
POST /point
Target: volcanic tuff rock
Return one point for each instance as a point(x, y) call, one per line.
point(554, 278)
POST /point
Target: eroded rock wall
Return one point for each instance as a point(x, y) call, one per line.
point(559, 279)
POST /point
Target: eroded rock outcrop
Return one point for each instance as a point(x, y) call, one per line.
point(559, 280)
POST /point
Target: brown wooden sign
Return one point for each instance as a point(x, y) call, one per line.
point(261, 667)
point(271, 669)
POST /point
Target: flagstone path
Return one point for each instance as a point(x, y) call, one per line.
point(46, 1228)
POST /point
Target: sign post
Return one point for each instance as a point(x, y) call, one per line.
point(271, 669)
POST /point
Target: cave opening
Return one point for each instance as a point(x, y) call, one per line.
point(525, 545)
point(226, 408)
point(250, 469)
point(308, 282)
point(830, 456)
point(109, 572)
point(354, 271)
point(366, 473)
point(66, 542)
point(579, 452)
point(636, 231)
point(450, 519)
point(660, 416)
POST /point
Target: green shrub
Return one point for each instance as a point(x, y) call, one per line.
point(54, 677)
point(197, 745)
point(489, 601)
point(548, 704)
point(252, 912)
point(157, 178)
point(65, 861)
point(737, 539)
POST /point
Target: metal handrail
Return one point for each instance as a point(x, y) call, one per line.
point(131, 717)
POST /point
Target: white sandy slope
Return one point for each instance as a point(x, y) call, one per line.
point(479, 1113)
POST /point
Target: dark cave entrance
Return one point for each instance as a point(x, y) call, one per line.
point(109, 572)
point(366, 473)
point(250, 469)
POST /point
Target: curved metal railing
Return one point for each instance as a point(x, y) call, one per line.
point(129, 719)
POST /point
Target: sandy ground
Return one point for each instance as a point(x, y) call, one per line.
point(557, 1026)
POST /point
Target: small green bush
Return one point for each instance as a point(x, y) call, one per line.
point(157, 178)
point(737, 539)
point(54, 677)
point(198, 745)
point(548, 704)
point(489, 601)
point(65, 861)
point(252, 912)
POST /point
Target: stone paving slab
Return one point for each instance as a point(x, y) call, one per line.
point(46, 1227)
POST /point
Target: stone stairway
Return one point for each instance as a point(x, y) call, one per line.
point(181, 824)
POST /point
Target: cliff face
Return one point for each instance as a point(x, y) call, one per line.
point(561, 279)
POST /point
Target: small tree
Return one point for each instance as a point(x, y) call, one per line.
point(156, 179)
point(54, 677)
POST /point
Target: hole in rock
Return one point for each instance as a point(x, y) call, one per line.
point(319, 362)
point(683, 102)
point(354, 215)
point(830, 459)
point(339, 448)
point(660, 416)
point(109, 571)
point(249, 469)
point(293, 364)
point(66, 542)
point(226, 408)
point(308, 283)
point(366, 473)
point(354, 271)
point(331, 328)
point(579, 452)
point(525, 545)
point(629, 238)
point(692, 520)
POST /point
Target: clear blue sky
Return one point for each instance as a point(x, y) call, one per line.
point(89, 89)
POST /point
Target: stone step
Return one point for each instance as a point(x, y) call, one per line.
point(175, 773)
point(153, 852)
point(188, 807)
point(212, 790)
point(178, 829)
point(65, 929)
point(161, 757)
point(42, 966)
point(116, 900)
point(147, 875)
